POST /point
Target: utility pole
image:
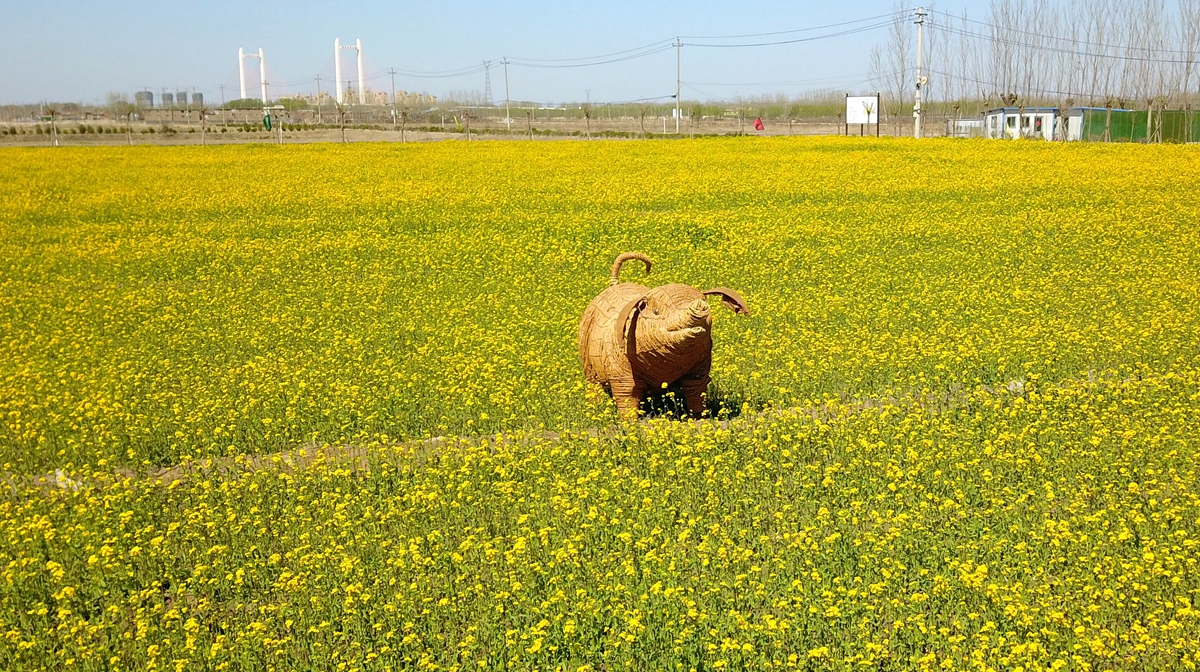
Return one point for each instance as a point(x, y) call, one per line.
point(318, 78)
point(507, 116)
point(362, 92)
point(262, 74)
point(917, 111)
point(392, 72)
point(678, 48)
point(222, 88)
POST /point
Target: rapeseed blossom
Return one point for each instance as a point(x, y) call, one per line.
point(957, 432)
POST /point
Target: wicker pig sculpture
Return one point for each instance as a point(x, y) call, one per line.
point(633, 338)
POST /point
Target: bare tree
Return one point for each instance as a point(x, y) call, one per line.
point(462, 98)
point(129, 125)
point(1068, 68)
point(120, 108)
point(203, 111)
point(1101, 53)
point(1104, 32)
point(1131, 81)
point(1039, 22)
point(931, 49)
point(340, 110)
point(890, 64)
point(1003, 20)
point(1189, 41)
point(977, 65)
point(1154, 71)
point(52, 112)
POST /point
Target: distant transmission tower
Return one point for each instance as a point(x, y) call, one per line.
point(487, 83)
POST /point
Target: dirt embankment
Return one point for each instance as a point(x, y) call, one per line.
point(102, 133)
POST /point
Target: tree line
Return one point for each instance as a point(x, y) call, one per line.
point(1136, 54)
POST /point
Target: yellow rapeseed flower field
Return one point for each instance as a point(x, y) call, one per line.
point(959, 430)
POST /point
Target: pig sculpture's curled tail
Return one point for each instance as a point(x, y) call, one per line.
point(616, 269)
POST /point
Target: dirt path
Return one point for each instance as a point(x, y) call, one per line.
point(489, 129)
point(357, 457)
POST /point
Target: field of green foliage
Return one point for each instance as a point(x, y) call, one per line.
point(959, 429)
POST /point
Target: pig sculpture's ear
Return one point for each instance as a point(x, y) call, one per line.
point(730, 298)
point(629, 315)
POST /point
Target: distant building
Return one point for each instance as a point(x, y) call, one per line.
point(1100, 124)
point(168, 100)
point(380, 98)
point(1021, 122)
point(181, 99)
point(407, 99)
point(964, 128)
point(144, 99)
point(197, 100)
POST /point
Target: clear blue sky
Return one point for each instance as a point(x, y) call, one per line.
point(78, 50)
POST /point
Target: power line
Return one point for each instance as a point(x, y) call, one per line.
point(634, 100)
point(994, 85)
point(599, 56)
point(628, 58)
point(798, 40)
point(460, 72)
point(660, 46)
point(1059, 50)
point(832, 80)
point(891, 15)
point(1060, 38)
point(646, 50)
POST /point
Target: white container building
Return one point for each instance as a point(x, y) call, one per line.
point(1017, 122)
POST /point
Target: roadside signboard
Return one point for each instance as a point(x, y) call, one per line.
point(862, 110)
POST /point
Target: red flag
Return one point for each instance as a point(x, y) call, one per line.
point(758, 125)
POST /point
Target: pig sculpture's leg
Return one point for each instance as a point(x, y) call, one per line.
point(628, 395)
point(695, 386)
point(694, 390)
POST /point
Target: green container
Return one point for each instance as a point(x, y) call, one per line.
point(1131, 126)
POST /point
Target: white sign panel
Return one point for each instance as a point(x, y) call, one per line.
point(862, 109)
